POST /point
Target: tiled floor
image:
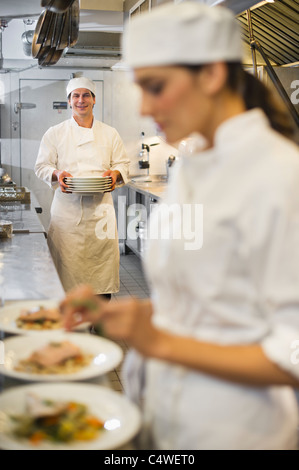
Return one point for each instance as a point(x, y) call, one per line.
point(132, 283)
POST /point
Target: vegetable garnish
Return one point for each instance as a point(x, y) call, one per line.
point(69, 422)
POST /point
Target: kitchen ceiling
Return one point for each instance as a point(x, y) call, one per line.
point(100, 25)
point(103, 18)
point(275, 25)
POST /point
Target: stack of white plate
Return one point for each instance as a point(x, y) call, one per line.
point(89, 184)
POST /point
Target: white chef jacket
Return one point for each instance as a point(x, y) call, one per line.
point(240, 287)
point(82, 235)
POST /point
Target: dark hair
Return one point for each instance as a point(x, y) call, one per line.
point(257, 95)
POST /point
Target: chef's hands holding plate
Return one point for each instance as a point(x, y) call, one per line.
point(115, 175)
point(59, 175)
point(128, 319)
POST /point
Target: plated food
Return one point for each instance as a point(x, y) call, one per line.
point(33, 317)
point(113, 421)
point(56, 357)
point(46, 357)
point(45, 419)
point(39, 318)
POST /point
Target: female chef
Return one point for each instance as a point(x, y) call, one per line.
point(220, 333)
point(82, 235)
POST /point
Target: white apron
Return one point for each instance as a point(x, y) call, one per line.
point(82, 234)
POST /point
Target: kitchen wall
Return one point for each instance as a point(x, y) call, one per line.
point(119, 108)
point(121, 104)
point(21, 132)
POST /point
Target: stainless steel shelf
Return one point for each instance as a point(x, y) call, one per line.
point(27, 270)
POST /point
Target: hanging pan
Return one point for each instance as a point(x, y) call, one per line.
point(58, 6)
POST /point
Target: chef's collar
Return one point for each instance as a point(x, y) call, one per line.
point(74, 122)
point(82, 135)
point(226, 133)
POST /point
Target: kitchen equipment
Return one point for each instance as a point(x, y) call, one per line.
point(27, 38)
point(59, 23)
point(51, 57)
point(141, 235)
point(144, 154)
point(58, 6)
point(5, 229)
point(74, 24)
point(64, 40)
point(169, 162)
point(57, 28)
point(40, 33)
point(4, 176)
point(11, 193)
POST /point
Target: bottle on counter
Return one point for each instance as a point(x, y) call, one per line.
point(141, 235)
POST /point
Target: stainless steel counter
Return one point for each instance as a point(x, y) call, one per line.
point(153, 189)
point(27, 270)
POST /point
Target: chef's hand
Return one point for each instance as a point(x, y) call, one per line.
point(80, 305)
point(59, 175)
point(115, 175)
point(128, 319)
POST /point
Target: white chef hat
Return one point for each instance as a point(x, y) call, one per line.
point(80, 82)
point(185, 33)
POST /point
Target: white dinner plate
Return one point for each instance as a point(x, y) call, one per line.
point(104, 181)
point(88, 177)
point(91, 190)
point(10, 312)
point(83, 186)
point(89, 180)
point(91, 183)
point(122, 418)
point(90, 193)
point(106, 355)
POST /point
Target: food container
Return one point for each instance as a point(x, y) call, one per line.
point(5, 229)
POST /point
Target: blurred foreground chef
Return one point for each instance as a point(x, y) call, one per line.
point(220, 333)
point(82, 235)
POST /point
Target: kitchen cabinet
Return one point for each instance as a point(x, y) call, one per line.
point(133, 204)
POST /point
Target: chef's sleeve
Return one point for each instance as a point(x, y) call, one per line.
point(46, 161)
point(280, 288)
point(119, 159)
